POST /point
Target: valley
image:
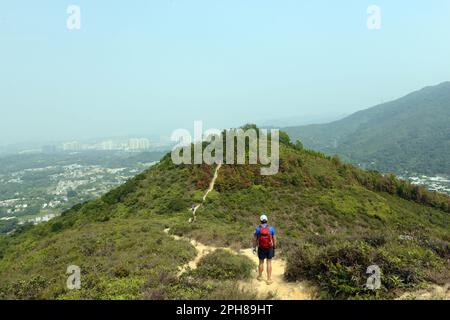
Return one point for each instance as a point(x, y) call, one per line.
point(37, 188)
point(408, 136)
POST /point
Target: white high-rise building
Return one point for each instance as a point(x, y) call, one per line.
point(108, 145)
point(72, 146)
point(138, 144)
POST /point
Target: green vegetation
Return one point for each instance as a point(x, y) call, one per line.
point(215, 279)
point(339, 268)
point(190, 288)
point(8, 225)
point(118, 258)
point(333, 221)
point(224, 265)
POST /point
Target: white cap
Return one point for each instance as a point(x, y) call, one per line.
point(263, 218)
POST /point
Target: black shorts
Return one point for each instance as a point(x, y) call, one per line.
point(266, 253)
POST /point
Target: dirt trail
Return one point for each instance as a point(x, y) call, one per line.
point(202, 250)
point(211, 187)
point(280, 289)
point(432, 292)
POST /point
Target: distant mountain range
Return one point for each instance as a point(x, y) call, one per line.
point(301, 120)
point(407, 135)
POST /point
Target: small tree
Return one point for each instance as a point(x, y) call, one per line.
point(284, 138)
point(298, 145)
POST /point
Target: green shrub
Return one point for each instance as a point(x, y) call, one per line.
point(26, 289)
point(231, 291)
point(340, 269)
point(376, 240)
point(177, 205)
point(118, 194)
point(56, 226)
point(223, 265)
point(190, 288)
point(441, 248)
point(121, 272)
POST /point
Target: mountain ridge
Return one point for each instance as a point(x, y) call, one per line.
point(409, 134)
point(333, 220)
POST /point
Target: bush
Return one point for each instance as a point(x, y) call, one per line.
point(441, 248)
point(375, 240)
point(121, 272)
point(298, 145)
point(340, 269)
point(56, 226)
point(231, 291)
point(119, 194)
point(28, 289)
point(177, 205)
point(223, 265)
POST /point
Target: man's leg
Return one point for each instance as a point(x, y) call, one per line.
point(261, 267)
point(269, 270)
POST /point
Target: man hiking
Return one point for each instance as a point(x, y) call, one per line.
point(264, 240)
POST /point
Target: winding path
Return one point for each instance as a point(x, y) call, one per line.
point(211, 187)
point(280, 288)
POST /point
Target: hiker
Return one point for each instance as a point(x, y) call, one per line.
point(264, 239)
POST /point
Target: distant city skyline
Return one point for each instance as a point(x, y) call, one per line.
point(130, 144)
point(107, 144)
point(149, 67)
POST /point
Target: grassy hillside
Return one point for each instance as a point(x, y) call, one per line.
point(409, 134)
point(333, 221)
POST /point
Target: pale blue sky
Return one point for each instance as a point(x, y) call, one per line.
point(142, 67)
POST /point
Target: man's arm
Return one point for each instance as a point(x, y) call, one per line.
point(274, 240)
point(255, 239)
point(255, 243)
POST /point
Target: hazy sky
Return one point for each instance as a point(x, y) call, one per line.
point(141, 67)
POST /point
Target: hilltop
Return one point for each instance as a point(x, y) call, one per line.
point(333, 221)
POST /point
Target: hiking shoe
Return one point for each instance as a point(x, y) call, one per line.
point(269, 282)
point(259, 278)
